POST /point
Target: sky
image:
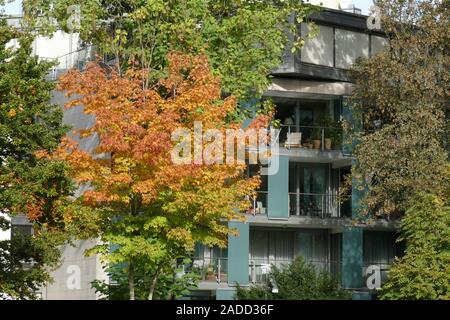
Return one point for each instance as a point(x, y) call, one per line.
point(15, 7)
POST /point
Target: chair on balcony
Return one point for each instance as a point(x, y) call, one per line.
point(294, 139)
point(260, 208)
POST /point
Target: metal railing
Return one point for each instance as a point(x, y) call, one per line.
point(210, 269)
point(76, 59)
point(312, 137)
point(316, 205)
point(259, 205)
point(260, 268)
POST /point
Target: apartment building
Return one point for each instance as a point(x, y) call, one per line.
point(298, 210)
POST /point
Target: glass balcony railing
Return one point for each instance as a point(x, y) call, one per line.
point(311, 137)
point(259, 205)
point(210, 269)
point(316, 205)
point(260, 268)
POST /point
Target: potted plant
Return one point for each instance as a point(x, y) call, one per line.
point(327, 123)
point(316, 137)
point(210, 276)
point(308, 144)
point(336, 134)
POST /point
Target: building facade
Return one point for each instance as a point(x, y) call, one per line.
point(298, 210)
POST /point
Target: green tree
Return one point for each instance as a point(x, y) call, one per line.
point(244, 39)
point(172, 283)
point(29, 185)
point(296, 281)
point(424, 271)
point(402, 95)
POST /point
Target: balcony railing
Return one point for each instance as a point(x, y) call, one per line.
point(76, 59)
point(316, 205)
point(259, 205)
point(311, 137)
point(260, 268)
point(210, 269)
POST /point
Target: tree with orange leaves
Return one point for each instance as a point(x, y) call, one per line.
point(152, 209)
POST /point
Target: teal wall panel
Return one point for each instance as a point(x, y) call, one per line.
point(238, 249)
point(278, 184)
point(362, 296)
point(352, 258)
point(225, 294)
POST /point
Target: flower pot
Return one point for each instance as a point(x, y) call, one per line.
point(328, 144)
point(316, 144)
point(210, 277)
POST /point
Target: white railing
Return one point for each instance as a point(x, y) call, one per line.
point(260, 268)
point(76, 59)
point(315, 205)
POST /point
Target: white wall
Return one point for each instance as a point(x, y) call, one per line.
point(59, 45)
point(350, 45)
point(72, 280)
point(318, 50)
point(378, 44)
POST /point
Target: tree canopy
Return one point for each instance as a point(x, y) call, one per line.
point(298, 280)
point(30, 186)
point(401, 95)
point(152, 209)
point(243, 39)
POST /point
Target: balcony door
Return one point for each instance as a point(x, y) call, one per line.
point(308, 185)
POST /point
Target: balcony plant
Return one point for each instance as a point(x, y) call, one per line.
point(316, 137)
point(210, 275)
point(333, 132)
point(327, 123)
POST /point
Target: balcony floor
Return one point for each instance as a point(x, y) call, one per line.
point(319, 223)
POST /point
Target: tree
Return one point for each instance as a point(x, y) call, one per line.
point(29, 185)
point(424, 271)
point(402, 95)
point(296, 281)
point(151, 209)
point(243, 39)
point(173, 284)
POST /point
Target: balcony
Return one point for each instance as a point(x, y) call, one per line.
point(76, 59)
point(209, 269)
point(313, 205)
point(316, 205)
point(259, 203)
point(317, 138)
point(260, 268)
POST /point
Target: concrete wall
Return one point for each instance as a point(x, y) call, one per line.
point(72, 281)
point(350, 45)
point(318, 50)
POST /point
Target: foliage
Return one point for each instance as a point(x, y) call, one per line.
point(402, 95)
point(29, 185)
point(170, 286)
point(243, 39)
point(424, 271)
point(152, 209)
point(296, 281)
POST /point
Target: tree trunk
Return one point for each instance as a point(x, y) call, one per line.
point(131, 281)
point(154, 282)
point(153, 286)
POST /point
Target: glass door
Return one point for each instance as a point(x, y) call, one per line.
point(313, 191)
